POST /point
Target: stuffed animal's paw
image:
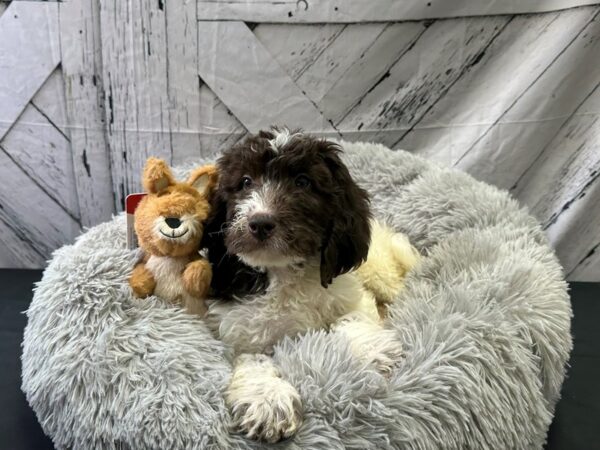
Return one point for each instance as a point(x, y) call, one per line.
point(196, 278)
point(141, 281)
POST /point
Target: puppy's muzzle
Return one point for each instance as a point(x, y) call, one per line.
point(261, 226)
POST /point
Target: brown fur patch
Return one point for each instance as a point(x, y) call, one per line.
point(174, 201)
point(197, 276)
point(169, 200)
point(141, 281)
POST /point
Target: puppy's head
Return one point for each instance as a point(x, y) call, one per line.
point(288, 198)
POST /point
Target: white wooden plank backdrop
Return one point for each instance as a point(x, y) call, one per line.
point(96, 86)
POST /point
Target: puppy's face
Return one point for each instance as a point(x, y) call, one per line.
point(289, 198)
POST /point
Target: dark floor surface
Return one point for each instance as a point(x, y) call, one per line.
point(576, 425)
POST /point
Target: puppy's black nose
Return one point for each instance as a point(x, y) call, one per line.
point(173, 222)
point(261, 226)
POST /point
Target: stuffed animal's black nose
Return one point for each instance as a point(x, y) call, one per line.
point(173, 222)
point(261, 226)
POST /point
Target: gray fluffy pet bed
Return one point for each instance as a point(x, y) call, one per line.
point(485, 324)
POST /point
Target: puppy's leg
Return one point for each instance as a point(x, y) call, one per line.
point(370, 342)
point(390, 258)
point(263, 405)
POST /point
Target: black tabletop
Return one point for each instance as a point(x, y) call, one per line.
point(576, 425)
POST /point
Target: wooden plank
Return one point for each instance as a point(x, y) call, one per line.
point(183, 81)
point(51, 102)
point(562, 188)
point(296, 48)
point(444, 128)
point(134, 61)
point(237, 76)
point(372, 65)
point(44, 153)
point(575, 236)
point(589, 268)
point(219, 128)
point(16, 253)
point(332, 73)
point(82, 71)
point(349, 11)
point(517, 137)
point(28, 45)
point(420, 77)
point(7, 258)
point(36, 222)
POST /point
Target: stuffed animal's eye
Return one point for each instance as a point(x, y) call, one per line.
point(302, 181)
point(246, 182)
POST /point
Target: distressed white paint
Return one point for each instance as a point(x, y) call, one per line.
point(219, 128)
point(497, 95)
point(15, 253)
point(562, 187)
point(509, 146)
point(81, 67)
point(182, 79)
point(514, 59)
point(30, 53)
point(32, 222)
point(297, 49)
point(51, 102)
point(7, 258)
point(136, 90)
point(44, 153)
point(370, 66)
point(236, 67)
point(578, 249)
point(420, 77)
point(350, 11)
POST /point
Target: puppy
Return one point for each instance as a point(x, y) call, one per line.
point(290, 217)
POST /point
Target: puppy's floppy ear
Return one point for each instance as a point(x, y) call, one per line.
point(204, 179)
point(157, 176)
point(347, 240)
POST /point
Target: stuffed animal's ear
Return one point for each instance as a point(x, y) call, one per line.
point(157, 176)
point(204, 179)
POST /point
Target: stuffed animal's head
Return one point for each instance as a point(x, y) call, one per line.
point(169, 220)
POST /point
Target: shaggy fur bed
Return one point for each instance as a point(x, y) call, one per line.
point(485, 324)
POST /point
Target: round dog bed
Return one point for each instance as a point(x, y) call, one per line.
point(485, 322)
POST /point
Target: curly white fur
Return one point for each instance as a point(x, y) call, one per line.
point(263, 405)
point(294, 303)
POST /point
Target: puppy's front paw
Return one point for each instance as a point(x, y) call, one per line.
point(263, 406)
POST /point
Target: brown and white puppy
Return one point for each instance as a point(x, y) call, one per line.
point(288, 208)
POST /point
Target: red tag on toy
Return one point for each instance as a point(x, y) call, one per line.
point(131, 203)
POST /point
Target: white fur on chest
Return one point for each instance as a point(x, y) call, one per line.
point(292, 305)
point(167, 272)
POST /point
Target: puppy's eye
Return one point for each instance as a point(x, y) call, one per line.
point(302, 181)
point(245, 183)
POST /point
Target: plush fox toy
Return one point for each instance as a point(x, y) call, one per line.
point(169, 226)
